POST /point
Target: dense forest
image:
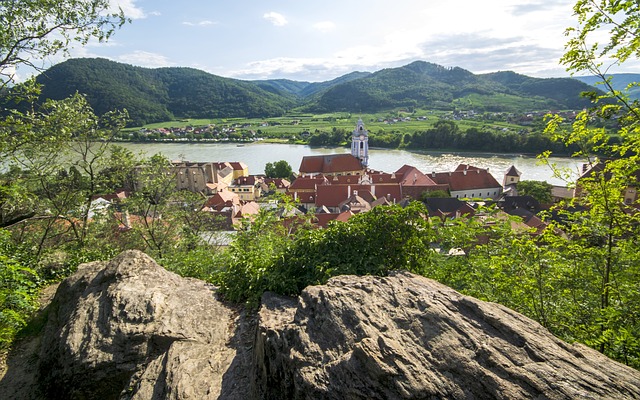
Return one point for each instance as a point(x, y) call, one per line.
point(156, 95)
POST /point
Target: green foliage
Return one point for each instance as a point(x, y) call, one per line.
point(266, 257)
point(36, 29)
point(434, 194)
point(279, 169)
point(539, 190)
point(18, 292)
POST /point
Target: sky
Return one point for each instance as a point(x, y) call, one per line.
point(318, 41)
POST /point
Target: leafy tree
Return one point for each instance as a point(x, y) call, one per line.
point(539, 190)
point(278, 169)
point(603, 236)
point(434, 194)
point(31, 30)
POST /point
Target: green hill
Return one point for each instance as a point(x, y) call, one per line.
point(154, 95)
point(427, 85)
point(619, 82)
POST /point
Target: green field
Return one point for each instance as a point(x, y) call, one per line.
point(294, 124)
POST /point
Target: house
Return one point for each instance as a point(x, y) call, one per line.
point(355, 204)
point(248, 188)
point(331, 165)
point(414, 182)
point(469, 182)
point(205, 177)
point(447, 207)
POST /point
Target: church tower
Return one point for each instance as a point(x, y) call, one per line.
point(360, 143)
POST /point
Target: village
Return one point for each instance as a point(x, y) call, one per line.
point(337, 186)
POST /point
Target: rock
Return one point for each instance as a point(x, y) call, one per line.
point(130, 328)
point(408, 337)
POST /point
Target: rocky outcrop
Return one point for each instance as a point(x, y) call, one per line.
point(129, 329)
point(408, 337)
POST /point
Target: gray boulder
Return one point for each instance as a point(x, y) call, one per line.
point(408, 337)
point(129, 329)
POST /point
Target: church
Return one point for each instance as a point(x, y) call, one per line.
point(355, 163)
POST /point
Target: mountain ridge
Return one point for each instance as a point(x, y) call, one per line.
point(160, 94)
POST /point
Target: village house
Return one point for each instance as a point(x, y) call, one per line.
point(469, 182)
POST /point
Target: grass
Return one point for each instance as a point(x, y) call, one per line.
point(295, 124)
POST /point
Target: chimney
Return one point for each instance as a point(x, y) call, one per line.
point(433, 174)
point(464, 171)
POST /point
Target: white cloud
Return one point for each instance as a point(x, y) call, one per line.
point(275, 18)
point(200, 23)
point(145, 59)
point(324, 26)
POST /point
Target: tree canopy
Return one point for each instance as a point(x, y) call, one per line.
point(31, 30)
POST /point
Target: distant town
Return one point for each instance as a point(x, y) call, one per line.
point(337, 186)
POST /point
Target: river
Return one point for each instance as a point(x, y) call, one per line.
point(256, 155)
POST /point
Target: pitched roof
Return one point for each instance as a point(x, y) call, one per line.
point(331, 195)
point(307, 182)
point(448, 207)
point(238, 165)
point(355, 203)
point(412, 176)
point(222, 198)
point(280, 183)
point(512, 171)
point(250, 180)
point(330, 164)
point(466, 179)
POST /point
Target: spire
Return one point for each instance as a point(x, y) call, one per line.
point(360, 143)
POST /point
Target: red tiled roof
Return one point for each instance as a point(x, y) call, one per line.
point(248, 180)
point(305, 197)
point(280, 183)
point(250, 208)
point(306, 183)
point(466, 179)
point(330, 164)
point(331, 195)
point(412, 176)
point(238, 165)
point(393, 193)
point(222, 198)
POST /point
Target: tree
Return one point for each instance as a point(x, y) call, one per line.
point(603, 242)
point(279, 169)
point(539, 190)
point(434, 194)
point(32, 30)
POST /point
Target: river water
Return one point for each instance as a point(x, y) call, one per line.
point(256, 155)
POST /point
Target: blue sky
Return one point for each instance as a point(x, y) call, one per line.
point(321, 40)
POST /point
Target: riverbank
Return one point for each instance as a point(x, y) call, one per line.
point(257, 154)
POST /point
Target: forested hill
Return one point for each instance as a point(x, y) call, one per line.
point(152, 95)
point(621, 82)
point(427, 85)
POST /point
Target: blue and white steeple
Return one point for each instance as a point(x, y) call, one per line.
point(360, 143)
